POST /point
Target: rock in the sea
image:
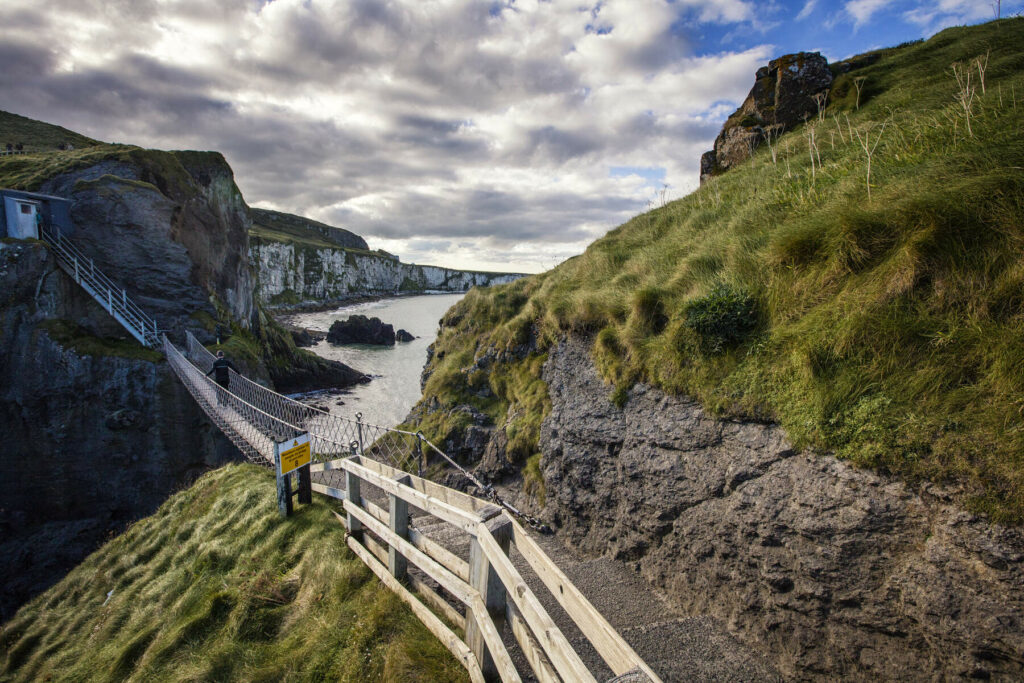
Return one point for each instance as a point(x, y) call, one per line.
point(403, 336)
point(783, 96)
point(359, 329)
point(302, 337)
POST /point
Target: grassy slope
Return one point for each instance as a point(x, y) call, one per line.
point(277, 226)
point(216, 586)
point(37, 136)
point(888, 330)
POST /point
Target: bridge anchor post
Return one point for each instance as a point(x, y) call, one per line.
point(284, 485)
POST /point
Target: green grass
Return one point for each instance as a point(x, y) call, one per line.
point(37, 136)
point(277, 226)
point(888, 330)
point(217, 587)
point(76, 338)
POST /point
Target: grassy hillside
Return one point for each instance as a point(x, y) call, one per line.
point(285, 227)
point(37, 136)
point(216, 587)
point(884, 324)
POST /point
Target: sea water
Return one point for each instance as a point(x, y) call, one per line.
point(396, 370)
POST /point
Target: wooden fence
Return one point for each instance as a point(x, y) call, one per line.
point(490, 589)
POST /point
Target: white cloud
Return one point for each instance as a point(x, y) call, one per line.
point(415, 123)
point(807, 9)
point(863, 10)
point(936, 15)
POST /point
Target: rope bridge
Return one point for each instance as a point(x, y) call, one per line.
point(432, 545)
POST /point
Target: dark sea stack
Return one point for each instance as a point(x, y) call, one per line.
point(783, 96)
point(403, 336)
point(359, 329)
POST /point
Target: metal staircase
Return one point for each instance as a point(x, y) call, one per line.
point(109, 295)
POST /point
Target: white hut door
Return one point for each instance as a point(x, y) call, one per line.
point(26, 221)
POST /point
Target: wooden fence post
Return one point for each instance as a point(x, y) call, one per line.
point(305, 485)
point(284, 488)
point(484, 579)
point(355, 527)
point(398, 565)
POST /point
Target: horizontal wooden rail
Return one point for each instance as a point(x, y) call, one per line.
point(489, 588)
point(429, 619)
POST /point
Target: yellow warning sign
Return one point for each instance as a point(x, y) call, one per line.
point(295, 453)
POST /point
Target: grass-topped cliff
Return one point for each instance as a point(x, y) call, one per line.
point(217, 587)
point(884, 324)
point(278, 226)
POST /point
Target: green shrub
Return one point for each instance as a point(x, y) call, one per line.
point(723, 318)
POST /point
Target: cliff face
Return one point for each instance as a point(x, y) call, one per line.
point(170, 226)
point(97, 431)
point(831, 570)
point(296, 274)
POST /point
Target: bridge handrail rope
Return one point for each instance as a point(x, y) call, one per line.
point(67, 251)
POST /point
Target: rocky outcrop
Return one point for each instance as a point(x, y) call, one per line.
point(170, 226)
point(296, 275)
point(97, 431)
point(834, 572)
point(782, 97)
point(358, 329)
point(403, 336)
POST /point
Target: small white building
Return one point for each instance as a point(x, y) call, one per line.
point(24, 212)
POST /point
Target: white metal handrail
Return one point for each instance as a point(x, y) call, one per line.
point(111, 296)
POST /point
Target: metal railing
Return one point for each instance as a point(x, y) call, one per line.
point(12, 152)
point(110, 295)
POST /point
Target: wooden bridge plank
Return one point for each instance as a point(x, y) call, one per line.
point(533, 652)
point(495, 646)
point(439, 603)
point(447, 495)
point(451, 583)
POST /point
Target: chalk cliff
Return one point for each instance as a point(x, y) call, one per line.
point(296, 273)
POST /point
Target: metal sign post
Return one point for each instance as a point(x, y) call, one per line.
point(291, 455)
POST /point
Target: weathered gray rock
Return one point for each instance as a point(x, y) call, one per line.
point(833, 572)
point(403, 336)
point(91, 442)
point(171, 227)
point(782, 97)
point(358, 329)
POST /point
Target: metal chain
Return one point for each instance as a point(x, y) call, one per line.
point(490, 492)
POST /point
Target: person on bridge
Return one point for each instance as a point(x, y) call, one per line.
point(222, 366)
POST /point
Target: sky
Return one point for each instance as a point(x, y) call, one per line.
point(466, 133)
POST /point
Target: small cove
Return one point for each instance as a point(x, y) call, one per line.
point(395, 387)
